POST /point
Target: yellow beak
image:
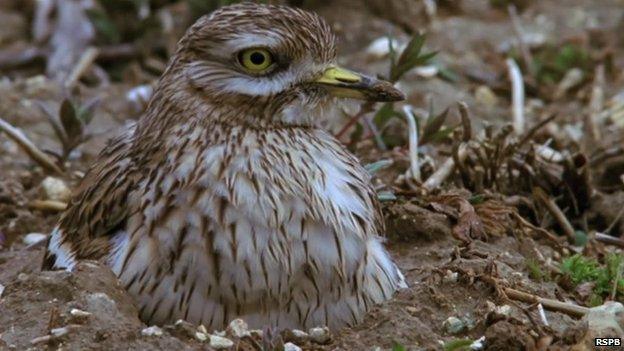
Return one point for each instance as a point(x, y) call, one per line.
point(341, 82)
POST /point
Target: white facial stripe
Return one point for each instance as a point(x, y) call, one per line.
point(266, 39)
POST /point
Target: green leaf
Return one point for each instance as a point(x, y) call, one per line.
point(69, 119)
point(580, 269)
point(476, 199)
point(386, 196)
point(457, 345)
point(375, 167)
point(85, 111)
point(356, 135)
point(580, 238)
point(433, 126)
point(397, 347)
point(410, 57)
point(384, 114)
point(104, 25)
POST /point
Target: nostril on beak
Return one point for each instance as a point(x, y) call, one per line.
point(347, 80)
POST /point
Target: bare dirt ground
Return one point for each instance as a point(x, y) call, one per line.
point(469, 246)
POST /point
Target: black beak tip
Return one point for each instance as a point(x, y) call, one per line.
point(389, 94)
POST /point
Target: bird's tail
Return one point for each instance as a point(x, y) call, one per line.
point(58, 255)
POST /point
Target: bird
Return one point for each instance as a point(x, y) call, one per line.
point(227, 198)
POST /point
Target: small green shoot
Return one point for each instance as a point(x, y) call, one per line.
point(535, 271)
point(397, 347)
point(605, 277)
point(458, 345)
point(410, 58)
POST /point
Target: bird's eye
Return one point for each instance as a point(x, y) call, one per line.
point(255, 60)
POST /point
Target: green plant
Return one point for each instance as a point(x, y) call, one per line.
point(457, 345)
point(552, 62)
point(70, 121)
point(397, 347)
point(535, 270)
point(411, 57)
point(605, 277)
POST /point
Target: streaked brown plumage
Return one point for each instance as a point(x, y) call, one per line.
point(226, 200)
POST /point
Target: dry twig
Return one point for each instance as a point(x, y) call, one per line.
point(48, 205)
point(609, 240)
point(549, 304)
point(86, 60)
point(556, 212)
point(29, 147)
point(517, 94)
point(413, 142)
point(436, 179)
point(596, 105)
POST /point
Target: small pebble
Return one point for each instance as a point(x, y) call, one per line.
point(79, 313)
point(238, 328)
point(380, 47)
point(300, 334)
point(152, 331)
point(201, 336)
point(1, 290)
point(295, 335)
point(219, 342)
point(289, 346)
point(258, 333)
point(478, 344)
point(33, 238)
point(427, 71)
point(55, 189)
point(185, 328)
point(450, 276)
point(486, 97)
point(453, 325)
point(319, 335)
point(58, 332)
point(202, 329)
point(504, 310)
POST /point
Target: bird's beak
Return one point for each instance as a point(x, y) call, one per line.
point(341, 82)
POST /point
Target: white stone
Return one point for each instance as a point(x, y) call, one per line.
point(152, 331)
point(300, 334)
point(380, 47)
point(55, 189)
point(201, 336)
point(219, 342)
point(238, 328)
point(504, 310)
point(58, 332)
point(606, 320)
point(79, 313)
point(453, 325)
point(33, 238)
point(258, 333)
point(485, 96)
point(319, 335)
point(289, 346)
point(450, 276)
point(427, 71)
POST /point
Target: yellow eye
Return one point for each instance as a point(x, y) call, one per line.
point(255, 60)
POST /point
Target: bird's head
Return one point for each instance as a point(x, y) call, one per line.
point(267, 65)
